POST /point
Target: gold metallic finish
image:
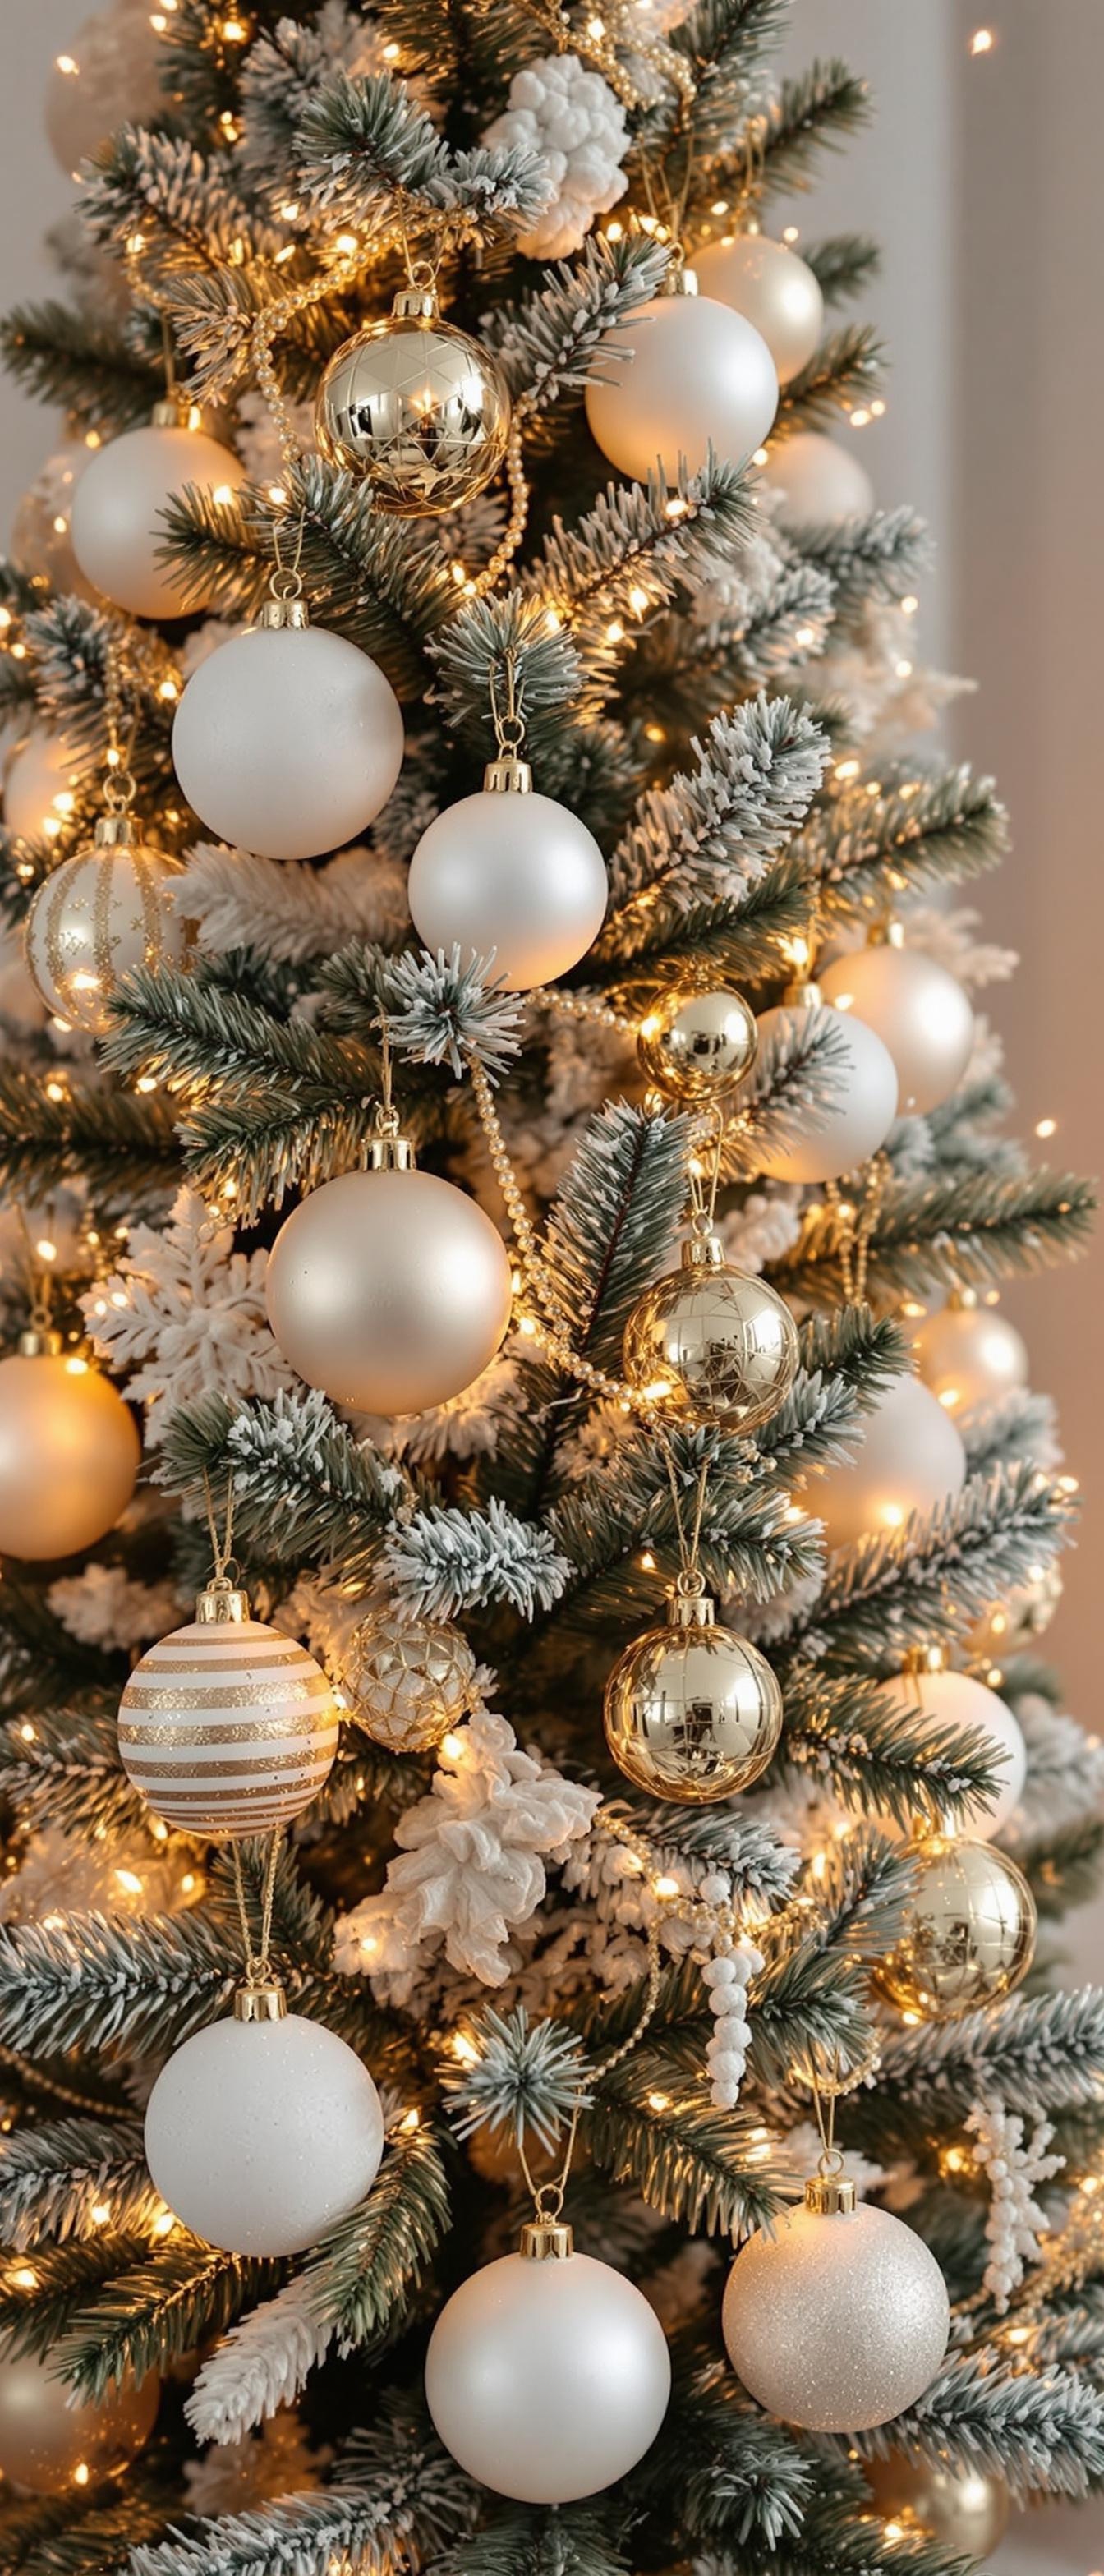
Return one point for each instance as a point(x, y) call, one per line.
point(100, 914)
point(391, 1154)
point(284, 612)
point(546, 2240)
point(692, 1714)
point(690, 1609)
point(39, 1342)
point(409, 1679)
point(221, 1604)
point(925, 1659)
point(256, 1730)
point(507, 776)
point(417, 408)
point(175, 411)
point(237, 1767)
point(718, 1342)
point(698, 1046)
point(966, 2510)
point(260, 1694)
point(830, 2195)
point(968, 1932)
point(266, 2002)
point(116, 832)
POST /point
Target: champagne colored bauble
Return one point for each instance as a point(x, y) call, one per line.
point(227, 1726)
point(852, 1125)
point(698, 1046)
point(966, 2510)
point(970, 1354)
point(288, 740)
point(1024, 1613)
point(408, 1679)
point(42, 781)
point(390, 1289)
point(510, 875)
point(916, 1008)
point(955, 1699)
point(911, 1460)
point(774, 289)
point(718, 1342)
point(967, 1936)
point(692, 1711)
point(110, 908)
point(818, 482)
point(107, 75)
point(417, 407)
point(840, 2319)
point(680, 374)
point(41, 543)
point(117, 525)
point(547, 2376)
point(49, 2446)
point(69, 1454)
point(261, 2134)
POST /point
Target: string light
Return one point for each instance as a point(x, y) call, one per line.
point(982, 41)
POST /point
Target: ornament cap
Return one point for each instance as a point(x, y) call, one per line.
point(703, 1252)
point(680, 280)
point(804, 994)
point(391, 1154)
point(925, 1659)
point(284, 612)
point(116, 832)
point(176, 411)
point(415, 304)
point(221, 1604)
point(886, 934)
point(830, 2195)
point(546, 2240)
point(962, 1301)
point(39, 1342)
point(690, 1607)
point(265, 2001)
point(507, 776)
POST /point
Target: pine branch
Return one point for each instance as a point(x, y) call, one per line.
point(474, 654)
point(689, 2162)
point(847, 367)
point(1044, 2053)
point(811, 115)
point(750, 1546)
point(934, 1232)
point(93, 1981)
point(305, 1489)
point(1037, 2430)
point(884, 1760)
point(85, 366)
point(920, 833)
point(729, 2476)
point(72, 1128)
point(878, 559)
point(68, 1772)
point(546, 344)
point(539, 2540)
point(930, 1580)
point(712, 831)
point(368, 156)
point(183, 205)
point(847, 1360)
point(362, 2277)
point(160, 2307)
point(843, 265)
point(54, 2179)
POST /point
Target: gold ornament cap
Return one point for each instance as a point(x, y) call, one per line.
point(830, 2195)
point(804, 994)
point(962, 1301)
point(415, 304)
point(703, 1252)
point(680, 280)
point(39, 1342)
point(116, 832)
point(546, 2240)
point(886, 934)
point(391, 1154)
point(284, 612)
point(221, 1604)
point(265, 2001)
point(507, 776)
point(924, 1659)
point(177, 411)
point(690, 1608)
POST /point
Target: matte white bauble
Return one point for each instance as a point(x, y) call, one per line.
point(513, 874)
point(547, 2380)
point(955, 1699)
point(288, 741)
point(970, 1354)
point(849, 1129)
point(819, 483)
point(774, 289)
point(261, 2134)
point(836, 2322)
point(680, 374)
point(117, 526)
point(41, 783)
point(911, 1460)
point(917, 1009)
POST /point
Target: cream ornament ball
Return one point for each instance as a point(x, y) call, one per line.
point(288, 740)
point(117, 526)
point(69, 1451)
point(42, 781)
point(227, 1727)
point(50, 2446)
point(919, 1011)
point(774, 289)
point(911, 1459)
point(839, 2320)
point(855, 1121)
point(957, 1700)
point(106, 910)
point(41, 534)
point(681, 374)
point(509, 873)
point(970, 1354)
point(818, 482)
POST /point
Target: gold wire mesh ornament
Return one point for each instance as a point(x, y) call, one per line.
point(698, 1046)
point(409, 1679)
point(967, 1937)
point(692, 1711)
point(415, 406)
point(714, 1340)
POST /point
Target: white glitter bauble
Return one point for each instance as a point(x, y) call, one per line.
point(109, 908)
point(517, 876)
point(116, 526)
point(227, 1726)
point(261, 2134)
point(41, 784)
point(52, 2447)
point(848, 1130)
point(547, 2380)
point(819, 483)
point(918, 1010)
point(970, 1354)
point(773, 289)
point(837, 2322)
point(955, 1699)
point(911, 1460)
point(679, 374)
point(288, 741)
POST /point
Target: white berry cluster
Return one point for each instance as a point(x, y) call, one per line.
point(572, 118)
point(727, 1976)
point(1014, 2166)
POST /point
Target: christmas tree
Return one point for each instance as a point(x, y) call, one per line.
point(527, 1802)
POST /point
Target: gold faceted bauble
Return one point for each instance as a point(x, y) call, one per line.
point(52, 2447)
point(108, 909)
point(964, 2509)
point(409, 1680)
point(417, 407)
point(227, 1726)
point(69, 1454)
point(698, 1046)
point(968, 1932)
point(692, 1711)
point(715, 1340)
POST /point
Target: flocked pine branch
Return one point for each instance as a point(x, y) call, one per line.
point(184, 206)
point(82, 363)
point(937, 1232)
point(921, 832)
point(546, 344)
point(929, 1580)
point(811, 114)
point(712, 831)
point(842, 264)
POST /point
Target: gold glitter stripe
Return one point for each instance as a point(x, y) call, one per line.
point(218, 1656)
point(231, 1695)
point(153, 926)
point(55, 962)
point(102, 942)
point(252, 1730)
point(237, 1769)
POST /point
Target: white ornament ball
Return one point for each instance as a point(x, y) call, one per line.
point(970, 1354)
point(917, 1009)
point(106, 76)
point(117, 527)
point(389, 1289)
point(547, 2380)
point(837, 2322)
point(518, 875)
point(288, 741)
point(41, 784)
point(109, 908)
point(955, 1699)
point(819, 483)
point(852, 1126)
point(774, 289)
point(261, 2134)
point(680, 374)
point(40, 544)
point(227, 1726)
point(911, 1460)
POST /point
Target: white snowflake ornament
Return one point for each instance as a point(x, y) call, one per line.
point(192, 1310)
point(572, 118)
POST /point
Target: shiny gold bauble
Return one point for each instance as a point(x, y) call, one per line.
point(417, 407)
point(698, 1046)
point(50, 2446)
point(98, 915)
point(69, 1453)
point(692, 1711)
point(409, 1679)
point(965, 2509)
point(968, 1932)
point(715, 1340)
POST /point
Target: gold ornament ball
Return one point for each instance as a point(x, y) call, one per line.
point(109, 908)
point(69, 1454)
point(698, 1046)
point(409, 1680)
point(416, 407)
point(49, 2446)
point(968, 1932)
point(965, 2509)
point(692, 1711)
point(716, 1341)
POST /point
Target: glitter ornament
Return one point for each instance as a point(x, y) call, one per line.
point(117, 526)
point(774, 289)
point(856, 1119)
point(918, 1010)
point(106, 910)
point(946, 1698)
point(69, 1450)
point(409, 1679)
point(819, 483)
point(416, 407)
point(716, 1341)
point(839, 2319)
point(967, 1935)
point(509, 875)
point(692, 1711)
point(970, 1354)
point(681, 374)
point(42, 781)
point(965, 2510)
point(227, 1727)
point(548, 2374)
point(698, 1046)
point(911, 1459)
point(51, 2446)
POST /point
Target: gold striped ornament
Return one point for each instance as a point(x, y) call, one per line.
point(109, 908)
point(227, 1727)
